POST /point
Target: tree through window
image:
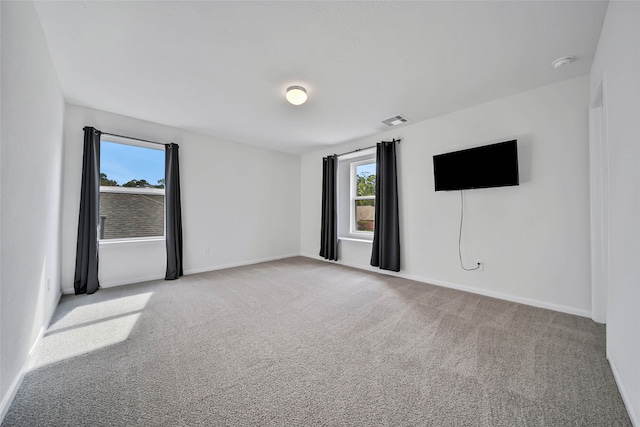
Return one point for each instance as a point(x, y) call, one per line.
point(364, 199)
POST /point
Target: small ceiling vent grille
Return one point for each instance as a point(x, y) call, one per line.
point(395, 120)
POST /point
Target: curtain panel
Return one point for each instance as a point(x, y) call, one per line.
point(385, 251)
point(329, 225)
point(86, 275)
point(173, 212)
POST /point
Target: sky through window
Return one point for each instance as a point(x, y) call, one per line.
point(124, 163)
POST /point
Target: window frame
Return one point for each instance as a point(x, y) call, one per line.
point(346, 191)
point(353, 197)
point(140, 144)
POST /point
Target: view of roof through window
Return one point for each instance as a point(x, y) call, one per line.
point(131, 191)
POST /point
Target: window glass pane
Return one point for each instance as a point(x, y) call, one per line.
point(130, 166)
point(131, 191)
point(366, 180)
point(365, 215)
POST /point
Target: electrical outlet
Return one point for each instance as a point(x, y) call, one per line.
point(480, 265)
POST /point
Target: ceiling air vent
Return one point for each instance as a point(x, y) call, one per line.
point(395, 120)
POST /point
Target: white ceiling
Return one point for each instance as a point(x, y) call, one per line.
point(221, 68)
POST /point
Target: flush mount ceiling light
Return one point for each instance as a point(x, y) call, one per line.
point(562, 61)
point(296, 95)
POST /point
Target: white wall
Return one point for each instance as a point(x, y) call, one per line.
point(31, 162)
point(533, 238)
point(617, 67)
point(240, 204)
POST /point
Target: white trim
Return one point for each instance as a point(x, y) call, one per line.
point(353, 195)
point(26, 366)
point(238, 264)
point(134, 142)
point(466, 288)
point(359, 236)
point(115, 284)
point(625, 397)
point(599, 196)
point(345, 189)
point(131, 190)
point(130, 240)
point(15, 385)
point(351, 239)
point(186, 272)
point(123, 282)
point(131, 281)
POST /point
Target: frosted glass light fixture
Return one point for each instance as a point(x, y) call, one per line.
point(296, 95)
point(561, 62)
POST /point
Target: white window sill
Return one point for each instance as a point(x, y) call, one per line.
point(132, 240)
point(353, 239)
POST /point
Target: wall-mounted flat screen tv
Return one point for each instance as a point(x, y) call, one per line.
point(494, 165)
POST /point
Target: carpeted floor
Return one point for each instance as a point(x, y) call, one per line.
point(300, 342)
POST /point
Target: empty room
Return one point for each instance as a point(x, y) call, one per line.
point(300, 213)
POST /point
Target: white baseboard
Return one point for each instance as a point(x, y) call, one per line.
point(186, 272)
point(438, 282)
point(625, 397)
point(123, 282)
point(237, 264)
point(115, 283)
point(17, 381)
point(466, 288)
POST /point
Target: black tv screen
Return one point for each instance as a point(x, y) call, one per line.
point(494, 165)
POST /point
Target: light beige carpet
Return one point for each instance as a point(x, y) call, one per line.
point(300, 342)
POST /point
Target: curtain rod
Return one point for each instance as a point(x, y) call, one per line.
point(366, 148)
point(129, 137)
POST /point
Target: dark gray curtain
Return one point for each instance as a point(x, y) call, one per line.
point(173, 211)
point(386, 234)
point(329, 227)
point(86, 276)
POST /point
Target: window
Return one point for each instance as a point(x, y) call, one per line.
point(131, 189)
point(363, 196)
point(357, 195)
